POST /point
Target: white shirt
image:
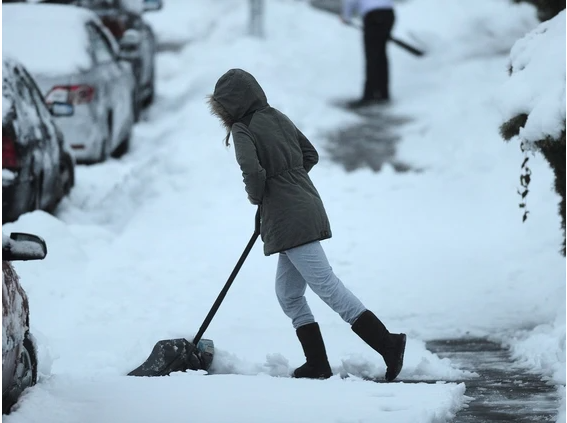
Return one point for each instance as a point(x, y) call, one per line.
point(362, 7)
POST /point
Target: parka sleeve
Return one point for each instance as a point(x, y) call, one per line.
point(253, 174)
point(310, 155)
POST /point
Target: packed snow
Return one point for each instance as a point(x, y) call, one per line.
point(537, 82)
point(144, 244)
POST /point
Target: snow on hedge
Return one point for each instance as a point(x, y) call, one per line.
point(536, 86)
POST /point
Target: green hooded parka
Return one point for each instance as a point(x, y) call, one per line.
point(275, 158)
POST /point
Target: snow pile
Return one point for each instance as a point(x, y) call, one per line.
point(536, 86)
point(543, 349)
point(234, 399)
point(176, 23)
point(464, 30)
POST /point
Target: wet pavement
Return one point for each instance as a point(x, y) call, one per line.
point(504, 391)
point(370, 143)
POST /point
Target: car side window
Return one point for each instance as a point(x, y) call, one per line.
point(27, 110)
point(102, 50)
point(39, 101)
point(36, 95)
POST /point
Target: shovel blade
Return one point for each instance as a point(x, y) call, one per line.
point(176, 355)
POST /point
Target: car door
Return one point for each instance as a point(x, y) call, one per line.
point(52, 153)
point(120, 83)
point(31, 134)
point(146, 51)
point(107, 78)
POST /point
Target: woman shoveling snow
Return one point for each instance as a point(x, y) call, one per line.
point(275, 159)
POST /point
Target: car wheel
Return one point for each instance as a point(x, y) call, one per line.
point(136, 105)
point(107, 141)
point(123, 147)
point(36, 193)
point(67, 174)
point(25, 375)
point(26, 371)
point(150, 97)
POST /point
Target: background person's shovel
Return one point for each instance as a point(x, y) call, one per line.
point(406, 46)
point(179, 355)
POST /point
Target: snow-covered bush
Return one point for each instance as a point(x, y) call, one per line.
point(533, 101)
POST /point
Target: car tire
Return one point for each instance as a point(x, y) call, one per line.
point(150, 97)
point(107, 141)
point(26, 372)
point(35, 203)
point(123, 147)
point(68, 174)
point(29, 355)
point(137, 105)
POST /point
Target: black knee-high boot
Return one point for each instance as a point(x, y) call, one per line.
point(317, 365)
point(389, 345)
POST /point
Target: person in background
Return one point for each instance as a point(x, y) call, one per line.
point(378, 19)
point(275, 158)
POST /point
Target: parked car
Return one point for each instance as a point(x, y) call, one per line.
point(120, 16)
point(38, 169)
point(19, 358)
point(74, 58)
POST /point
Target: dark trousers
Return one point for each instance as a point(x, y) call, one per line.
point(377, 27)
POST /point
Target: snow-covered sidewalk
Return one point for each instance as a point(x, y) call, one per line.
point(234, 398)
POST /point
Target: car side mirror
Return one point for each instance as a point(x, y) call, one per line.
point(59, 109)
point(152, 5)
point(23, 246)
point(130, 40)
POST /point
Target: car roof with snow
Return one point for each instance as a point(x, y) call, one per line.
point(49, 39)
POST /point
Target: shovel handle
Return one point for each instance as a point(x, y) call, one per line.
point(257, 220)
point(231, 278)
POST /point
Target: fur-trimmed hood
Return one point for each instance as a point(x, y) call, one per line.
point(237, 94)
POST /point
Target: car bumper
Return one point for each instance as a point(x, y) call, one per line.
point(82, 134)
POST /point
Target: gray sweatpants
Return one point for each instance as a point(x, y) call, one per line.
point(308, 265)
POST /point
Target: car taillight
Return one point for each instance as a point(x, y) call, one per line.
point(74, 94)
point(114, 25)
point(9, 153)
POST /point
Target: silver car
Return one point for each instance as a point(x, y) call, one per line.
point(75, 59)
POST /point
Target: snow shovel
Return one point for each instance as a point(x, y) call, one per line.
point(408, 47)
point(179, 355)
